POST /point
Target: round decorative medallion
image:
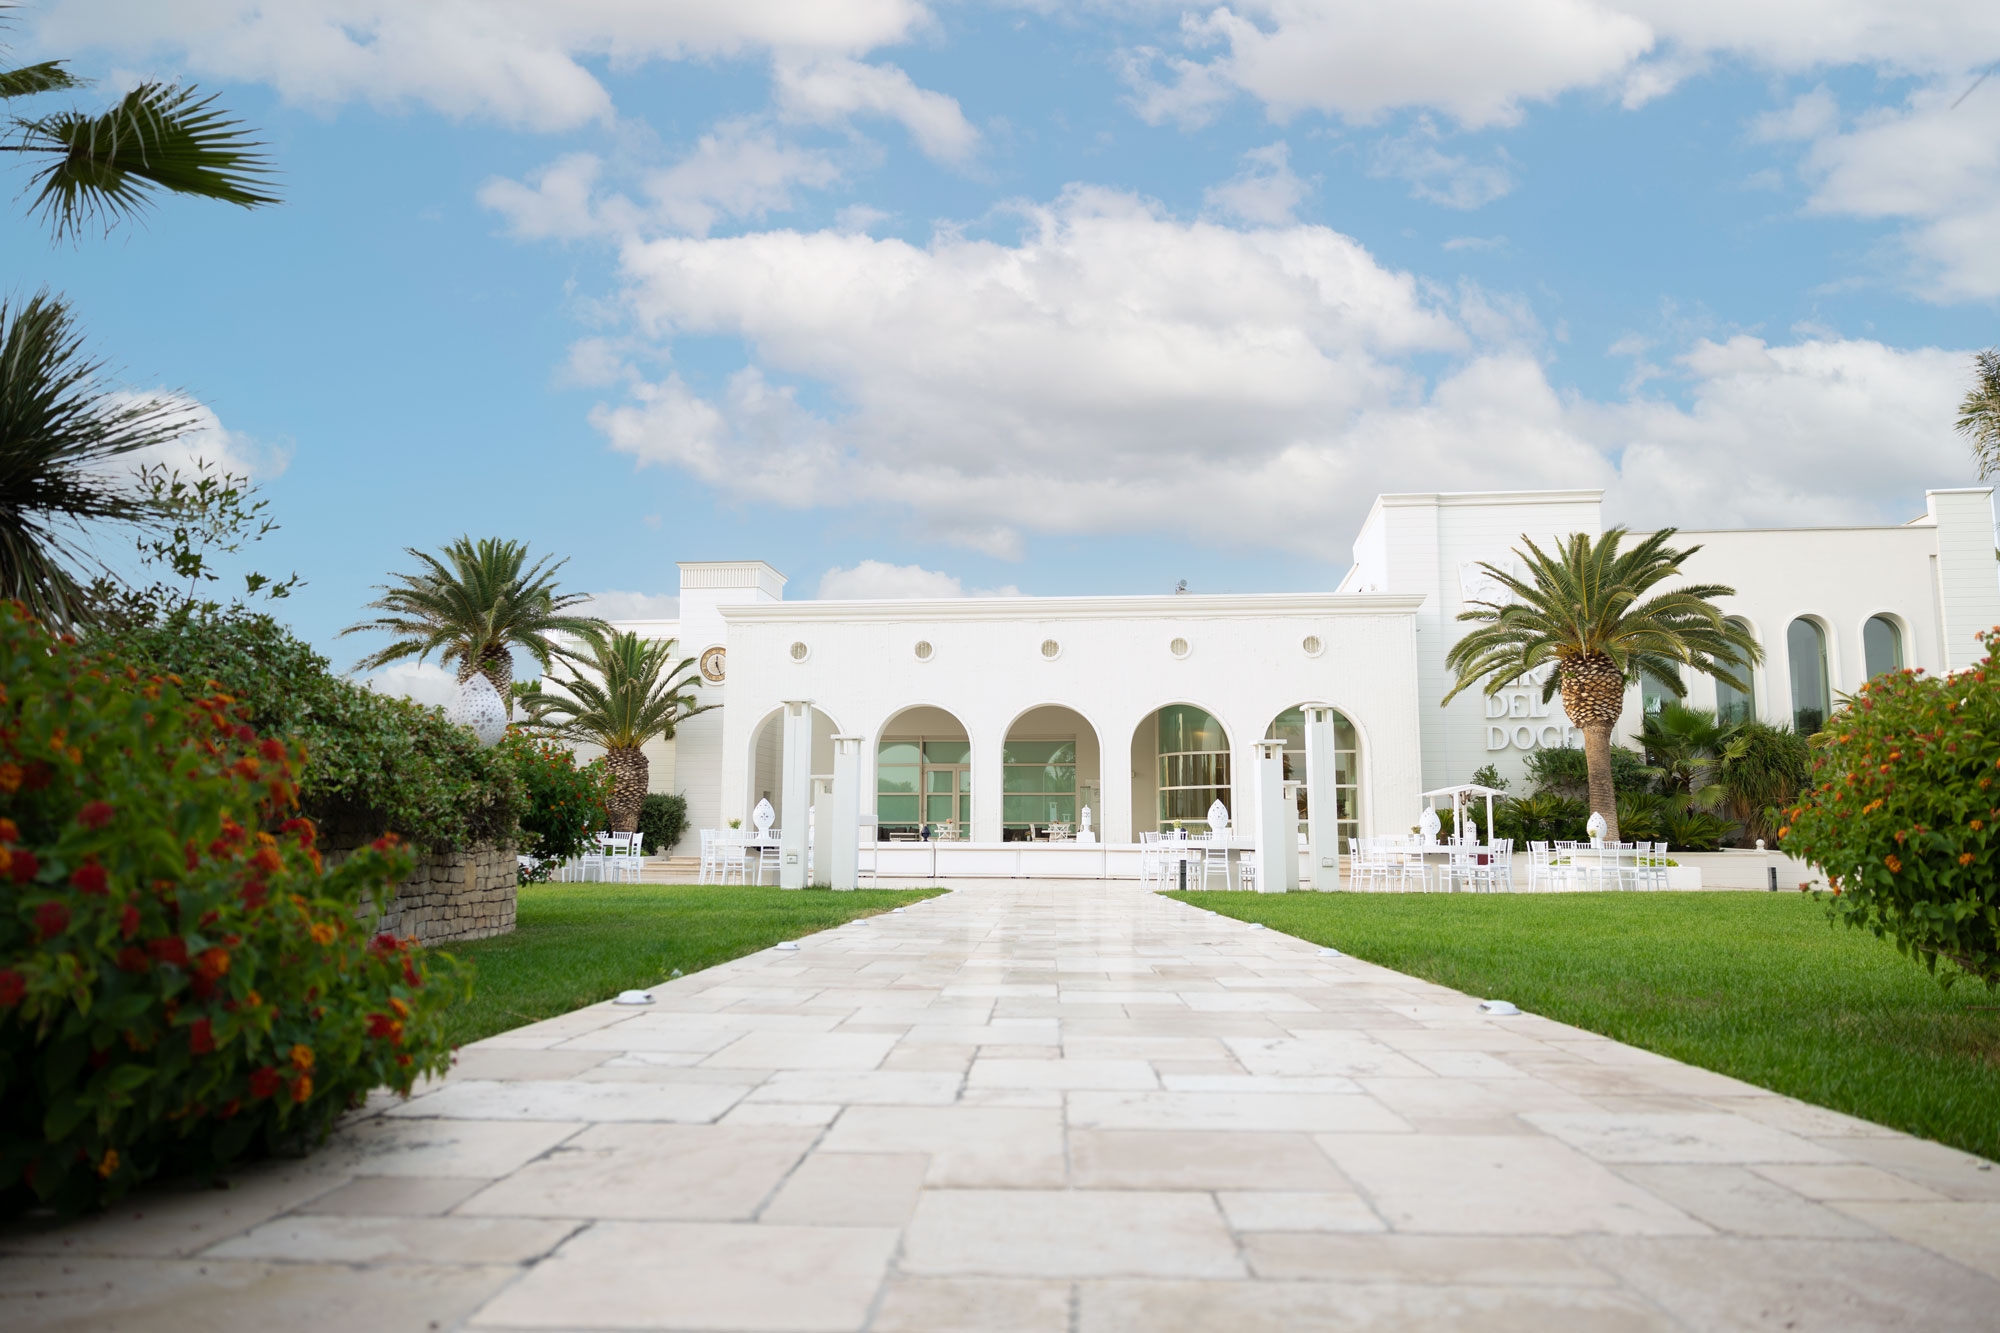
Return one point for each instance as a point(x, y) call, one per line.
point(1312, 645)
point(1179, 647)
point(800, 652)
point(713, 664)
point(924, 650)
point(1051, 649)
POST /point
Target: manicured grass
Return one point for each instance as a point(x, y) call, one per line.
point(1756, 986)
point(577, 944)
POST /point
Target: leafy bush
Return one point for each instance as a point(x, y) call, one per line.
point(1902, 820)
point(1774, 767)
point(1641, 815)
point(565, 803)
point(377, 763)
point(1562, 769)
point(1542, 817)
point(663, 818)
point(1688, 830)
point(177, 989)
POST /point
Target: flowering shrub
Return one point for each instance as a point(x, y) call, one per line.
point(180, 982)
point(565, 803)
point(1902, 820)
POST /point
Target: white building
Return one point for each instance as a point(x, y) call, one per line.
point(1001, 716)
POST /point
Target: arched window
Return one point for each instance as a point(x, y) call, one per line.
point(1193, 766)
point(1805, 644)
point(1881, 646)
point(1290, 727)
point(1731, 704)
point(1655, 693)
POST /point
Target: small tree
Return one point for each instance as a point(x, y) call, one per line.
point(628, 692)
point(1589, 612)
point(1903, 819)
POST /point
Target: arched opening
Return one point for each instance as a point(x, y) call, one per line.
point(1290, 727)
point(1655, 692)
point(1881, 645)
point(1812, 698)
point(1049, 771)
point(1180, 767)
point(767, 760)
point(1731, 704)
point(923, 776)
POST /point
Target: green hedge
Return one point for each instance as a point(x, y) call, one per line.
point(663, 818)
point(375, 763)
point(181, 984)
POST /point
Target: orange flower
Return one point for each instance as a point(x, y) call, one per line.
point(1965, 858)
point(402, 1010)
point(10, 778)
point(1785, 832)
point(302, 1058)
point(1978, 824)
point(323, 933)
point(1895, 864)
point(303, 1088)
point(108, 1163)
point(213, 963)
point(9, 831)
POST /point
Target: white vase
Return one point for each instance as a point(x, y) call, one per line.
point(479, 708)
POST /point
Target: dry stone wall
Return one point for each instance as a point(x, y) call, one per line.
point(462, 895)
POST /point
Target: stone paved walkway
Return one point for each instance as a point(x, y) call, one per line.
point(1054, 1108)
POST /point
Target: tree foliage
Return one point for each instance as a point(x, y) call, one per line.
point(1979, 413)
point(1903, 817)
point(563, 802)
point(181, 983)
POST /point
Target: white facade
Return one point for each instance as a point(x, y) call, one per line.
point(1097, 670)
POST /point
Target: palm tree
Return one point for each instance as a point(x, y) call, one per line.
point(1979, 414)
point(475, 606)
point(1690, 749)
point(108, 164)
point(630, 691)
point(62, 439)
point(1586, 612)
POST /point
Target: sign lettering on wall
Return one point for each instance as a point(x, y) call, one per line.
point(1519, 720)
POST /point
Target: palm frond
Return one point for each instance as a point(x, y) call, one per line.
point(47, 77)
point(624, 692)
point(1979, 414)
point(158, 137)
point(61, 438)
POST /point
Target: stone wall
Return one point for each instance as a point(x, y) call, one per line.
point(466, 895)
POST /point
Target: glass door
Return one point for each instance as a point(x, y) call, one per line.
point(948, 797)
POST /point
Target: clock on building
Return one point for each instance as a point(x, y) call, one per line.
point(712, 663)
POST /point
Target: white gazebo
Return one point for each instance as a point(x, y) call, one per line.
point(1460, 796)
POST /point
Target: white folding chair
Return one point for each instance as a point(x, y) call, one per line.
point(1502, 868)
point(732, 858)
point(767, 858)
point(711, 861)
point(1246, 871)
point(1215, 859)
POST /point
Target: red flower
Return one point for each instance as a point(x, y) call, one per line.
point(95, 814)
point(385, 943)
point(23, 866)
point(272, 749)
point(172, 949)
point(12, 987)
point(89, 878)
point(383, 1026)
point(132, 959)
point(267, 860)
point(128, 922)
point(51, 919)
point(201, 987)
point(264, 1082)
point(253, 894)
point(201, 1037)
point(9, 831)
point(213, 963)
point(410, 975)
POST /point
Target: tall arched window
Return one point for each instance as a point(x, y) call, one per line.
point(1194, 766)
point(1805, 644)
point(1881, 646)
point(1290, 727)
point(1731, 704)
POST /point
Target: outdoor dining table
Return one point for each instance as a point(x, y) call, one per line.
point(1440, 853)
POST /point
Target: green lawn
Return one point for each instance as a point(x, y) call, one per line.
point(577, 944)
point(1754, 985)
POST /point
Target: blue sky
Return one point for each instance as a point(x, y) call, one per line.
point(913, 297)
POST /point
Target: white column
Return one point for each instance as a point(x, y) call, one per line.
point(1275, 826)
point(1322, 800)
point(795, 793)
point(822, 832)
point(843, 830)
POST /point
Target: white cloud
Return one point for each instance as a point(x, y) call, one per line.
point(206, 440)
point(1808, 117)
point(520, 62)
point(1819, 431)
point(870, 579)
point(738, 170)
point(1266, 191)
point(1437, 176)
point(633, 605)
point(424, 682)
point(829, 89)
point(1476, 243)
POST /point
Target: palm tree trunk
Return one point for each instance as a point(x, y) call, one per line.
point(1597, 763)
point(630, 775)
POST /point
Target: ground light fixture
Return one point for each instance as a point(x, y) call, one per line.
point(1498, 1008)
point(633, 997)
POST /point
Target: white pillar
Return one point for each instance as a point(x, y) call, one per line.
point(822, 832)
point(843, 830)
point(1322, 800)
point(1275, 826)
point(795, 793)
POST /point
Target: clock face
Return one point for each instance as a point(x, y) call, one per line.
point(712, 663)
